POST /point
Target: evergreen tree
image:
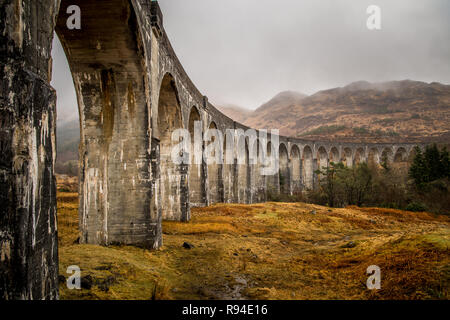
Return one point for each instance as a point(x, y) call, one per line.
point(418, 169)
point(433, 163)
point(429, 166)
point(445, 162)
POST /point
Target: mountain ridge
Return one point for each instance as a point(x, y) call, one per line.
point(394, 111)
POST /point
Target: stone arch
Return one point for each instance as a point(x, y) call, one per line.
point(411, 155)
point(228, 165)
point(308, 168)
point(243, 178)
point(214, 170)
point(115, 195)
point(401, 155)
point(295, 169)
point(255, 149)
point(284, 176)
point(322, 158)
point(347, 157)
point(117, 188)
point(271, 180)
point(269, 150)
point(257, 179)
point(171, 176)
point(334, 155)
point(374, 157)
point(196, 174)
point(400, 161)
point(359, 156)
point(387, 156)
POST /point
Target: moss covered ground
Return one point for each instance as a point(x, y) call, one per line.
point(268, 251)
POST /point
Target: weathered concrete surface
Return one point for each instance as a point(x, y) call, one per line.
point(108, 61)
point(28, 233)
point(133, 93)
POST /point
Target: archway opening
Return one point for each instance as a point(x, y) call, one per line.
point(214, 169)
point(243, 181)
point(400, 161)
point(387, 156)
point(401, 155)
point(322, 161)
point(347, 158)
point(284, 178)
point(374, 158)
point(272, 179)
point(359, 156)
point(228, 162)
point(106, 59)
point(334, 155)
point(322, 158)
point(196, 175)
point(295, 169)
point(308, 168)
point(169, 120)
point(256, 176)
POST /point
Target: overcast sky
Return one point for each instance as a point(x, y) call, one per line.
point(244, 52)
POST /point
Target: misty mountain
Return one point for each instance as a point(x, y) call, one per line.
point(67, 141)
point(234, 112)
point(283, 99)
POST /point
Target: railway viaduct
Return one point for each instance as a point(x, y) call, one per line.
point(133, 94)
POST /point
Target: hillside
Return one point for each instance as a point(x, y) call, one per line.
point(362, 111)
point(267, 251)
point(67, 141)
point(236, 113)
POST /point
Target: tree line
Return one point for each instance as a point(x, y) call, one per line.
point(424, 186)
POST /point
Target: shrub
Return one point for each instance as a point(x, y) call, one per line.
point(416, 207)
point(361, 131)
point(324, 130)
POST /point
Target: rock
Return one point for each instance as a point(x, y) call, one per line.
point(349, 245)
point(77, 241)
point(103, 267)
point(313, 212)
point(103, 287)
point(61, 279)
point(86, 282)
point(188, 245)
point(106, 283)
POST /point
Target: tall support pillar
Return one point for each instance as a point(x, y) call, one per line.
point(314, 173)
point(28, 232)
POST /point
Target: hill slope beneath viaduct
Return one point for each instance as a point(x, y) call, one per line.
point(267, 251)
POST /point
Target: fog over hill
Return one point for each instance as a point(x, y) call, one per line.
point(361, 111)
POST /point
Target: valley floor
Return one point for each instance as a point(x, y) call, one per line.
point(268, 251)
